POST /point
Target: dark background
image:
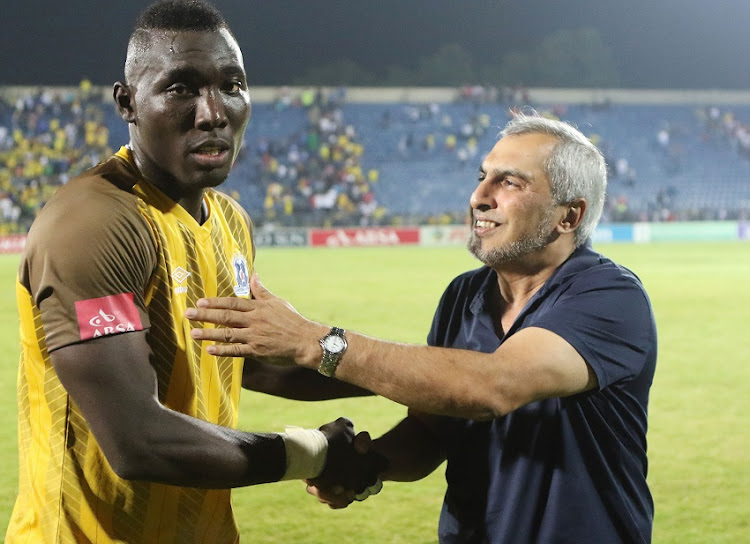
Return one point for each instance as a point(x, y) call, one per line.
point(687, 44)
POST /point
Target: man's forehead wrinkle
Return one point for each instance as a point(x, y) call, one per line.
point(172, 41)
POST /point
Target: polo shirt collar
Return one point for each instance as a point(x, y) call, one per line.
point(582, 258)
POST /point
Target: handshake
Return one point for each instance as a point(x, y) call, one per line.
point(352, 469)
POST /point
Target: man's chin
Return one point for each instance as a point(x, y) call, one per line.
point(210, 178)
point(502, 255)
point(474, 245)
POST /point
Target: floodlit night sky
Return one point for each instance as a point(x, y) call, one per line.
point(688, 44)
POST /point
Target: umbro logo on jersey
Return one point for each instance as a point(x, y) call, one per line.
point(179, 275)
point(112, 314)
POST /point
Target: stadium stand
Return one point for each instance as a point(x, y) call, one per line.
point(317, 158)
point(47, 135)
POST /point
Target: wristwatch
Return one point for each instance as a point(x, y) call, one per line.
point(334, 345)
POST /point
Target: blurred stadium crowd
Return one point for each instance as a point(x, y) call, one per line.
point(45, 137)
point(313, 158)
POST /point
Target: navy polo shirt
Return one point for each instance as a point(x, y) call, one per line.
point(569, 469)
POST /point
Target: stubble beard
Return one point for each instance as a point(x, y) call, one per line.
point(515, 250)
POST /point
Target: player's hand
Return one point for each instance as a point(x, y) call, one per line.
point(352, 469)
point(265, 327)
point(336, 496)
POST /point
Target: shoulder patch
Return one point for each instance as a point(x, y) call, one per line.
point(103, 316)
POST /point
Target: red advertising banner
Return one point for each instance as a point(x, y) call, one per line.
point(376, 236)
point(12, 243)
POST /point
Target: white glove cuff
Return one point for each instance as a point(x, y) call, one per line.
point(374, 489)
point(306, 451)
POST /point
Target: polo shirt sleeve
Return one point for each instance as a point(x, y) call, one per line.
point(606, 316)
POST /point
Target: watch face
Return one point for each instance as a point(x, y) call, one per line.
point(334, 344)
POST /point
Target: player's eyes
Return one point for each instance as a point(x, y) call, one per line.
point(234, 87)
point(179, 89)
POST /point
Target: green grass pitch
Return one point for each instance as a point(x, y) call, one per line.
point(699, 437)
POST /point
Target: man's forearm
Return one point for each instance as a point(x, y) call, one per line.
point(532, 364)
point(412, 449)
point(294, 382)
point(432, 380)
point(177, 449)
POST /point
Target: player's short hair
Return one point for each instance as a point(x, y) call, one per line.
point(575, 167)
point(180, 15)
point(172, 15)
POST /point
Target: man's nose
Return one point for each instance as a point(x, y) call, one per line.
point(481, 198)
point(210, 111)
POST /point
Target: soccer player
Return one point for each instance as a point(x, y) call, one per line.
point(536, 379)
point(126, 425)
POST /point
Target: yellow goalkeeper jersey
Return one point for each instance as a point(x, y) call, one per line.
point(147, 260)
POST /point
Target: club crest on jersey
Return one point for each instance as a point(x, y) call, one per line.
point(241, 275)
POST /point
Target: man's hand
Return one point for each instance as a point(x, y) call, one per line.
point(265, 327)
point(351, 471)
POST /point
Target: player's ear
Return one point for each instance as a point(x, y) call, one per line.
point(124, 102)
point(573, 216)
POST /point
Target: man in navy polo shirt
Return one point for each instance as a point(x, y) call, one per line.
point(535, 384)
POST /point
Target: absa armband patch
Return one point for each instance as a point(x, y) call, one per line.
point(112, 314)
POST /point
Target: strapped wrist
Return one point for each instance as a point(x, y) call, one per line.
point(306, 452)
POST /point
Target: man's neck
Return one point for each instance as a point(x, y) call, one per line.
point(520, 280)
point(193, 203)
